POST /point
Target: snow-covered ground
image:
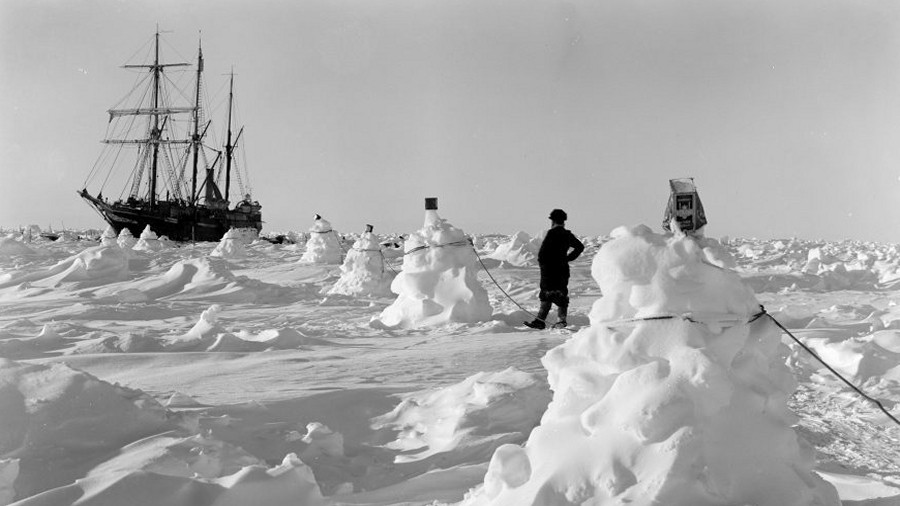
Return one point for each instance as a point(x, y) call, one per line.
point(172, 375)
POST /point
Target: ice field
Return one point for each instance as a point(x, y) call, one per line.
point(144, 372)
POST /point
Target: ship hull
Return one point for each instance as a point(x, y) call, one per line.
point(177, 221)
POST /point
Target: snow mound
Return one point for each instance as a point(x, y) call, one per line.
point(363, 271)
point(148, 241)
point(108, 237)
point(324, 244)
point(862, 358)
point(282, 339)
point(96, 265)
point(322, 441)
point(126, 240)
point(175, 472)
point(9, 246)
point(484, 408)
point(208, 279)
point(209, 335)
point(439, 281)
point(232, 245)
point(49, 412)
point(658, 411)
point(520, 251)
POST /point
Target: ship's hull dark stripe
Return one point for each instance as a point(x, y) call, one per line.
point(175, 221)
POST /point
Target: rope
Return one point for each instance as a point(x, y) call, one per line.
point(384, 261)
point(464, 242)
point(488, 272)
point(690, 318)
point(753, 318)
point(851, 385)
point(340, 245)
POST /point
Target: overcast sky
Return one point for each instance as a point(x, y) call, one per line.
point(786, 112)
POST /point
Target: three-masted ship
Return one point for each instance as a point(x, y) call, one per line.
point(175, 179)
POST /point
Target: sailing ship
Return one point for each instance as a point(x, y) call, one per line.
point(172, 186)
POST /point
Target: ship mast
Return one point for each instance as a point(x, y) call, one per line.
point(155, 132)
point(155, 110)
point(229, 147)
point(195, 138)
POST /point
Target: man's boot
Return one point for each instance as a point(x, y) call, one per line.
point(538, 323)
point(561, 312)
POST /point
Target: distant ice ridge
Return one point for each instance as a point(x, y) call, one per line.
point(672, 411)
point(438, 283)
point(796, 264)
point(324, 244)
point(363, 271)
point(521, 250)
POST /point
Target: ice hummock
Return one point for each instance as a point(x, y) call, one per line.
point(324, 244)
point(438, 283)
point(108, 237)
point(126, 240)
point(230, 246)
point(363, 271)
point(682, 412)
point(521, 250)
point(148, 241)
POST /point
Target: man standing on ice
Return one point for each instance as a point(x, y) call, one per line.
point(554, 258)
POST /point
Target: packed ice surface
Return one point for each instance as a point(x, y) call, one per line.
point(519, 251)
point(363, 271)
point(686, 411)
point(438, 283)
point(246, 383)
point(324, 244)
point(231, 245)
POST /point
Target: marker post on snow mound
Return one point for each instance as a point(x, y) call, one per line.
point(684, 210)
point(438, 282)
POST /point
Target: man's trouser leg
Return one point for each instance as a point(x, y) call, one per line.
point(544, 310)
point(561, 298)
point(541, 317)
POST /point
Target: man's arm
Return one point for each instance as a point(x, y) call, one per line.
point(576, 245)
